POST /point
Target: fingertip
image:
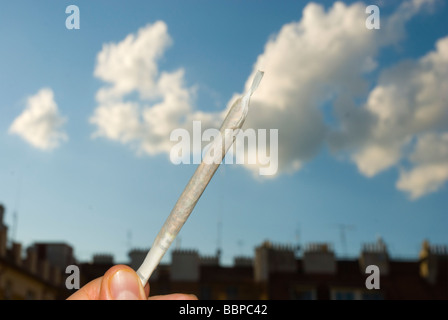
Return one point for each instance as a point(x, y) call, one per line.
point(122, 283)
point(174, 296)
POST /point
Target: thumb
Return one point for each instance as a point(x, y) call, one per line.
point(121, 283)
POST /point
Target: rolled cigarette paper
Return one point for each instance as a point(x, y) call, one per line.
point(198, 182)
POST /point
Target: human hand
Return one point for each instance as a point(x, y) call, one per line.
point(121, 283)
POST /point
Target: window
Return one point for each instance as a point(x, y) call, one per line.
point(355, 294)
point(344, 295)
point(298, 293)
point(372, 296)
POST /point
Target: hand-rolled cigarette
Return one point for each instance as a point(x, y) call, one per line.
point(198, 182)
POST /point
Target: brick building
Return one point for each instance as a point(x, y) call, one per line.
point(346, 279)
point(277, 273)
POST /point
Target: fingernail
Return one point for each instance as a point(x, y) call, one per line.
point(124, 286)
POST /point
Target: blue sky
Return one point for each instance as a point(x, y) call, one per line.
point(362, 118)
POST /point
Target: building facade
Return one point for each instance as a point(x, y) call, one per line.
point(277, 272)
point(30, 276)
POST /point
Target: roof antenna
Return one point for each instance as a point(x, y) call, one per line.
point(15, 215)
point(297, 236)
point(129, 240)
point(343, 228)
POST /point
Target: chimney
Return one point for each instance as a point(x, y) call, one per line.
point(375, 254)
point(430, 257)
point(17, 253)
point(56, 277)
point(136, 257)
point(270, 258)
point(2, 213)
point(319, 258)
point(209, 260)
point(185, 265)
point(3, 233)
point(3, 240)
point(44, 269)
point(31, 260)
point(241, 261)
point(103, 258)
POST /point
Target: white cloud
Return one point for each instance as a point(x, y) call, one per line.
point(430, 166)
point(40, 124)
point(315, 63)
point(305, 65)
point(131, 65)
point(163, 104)
point(322, 59)
point(408, 103)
